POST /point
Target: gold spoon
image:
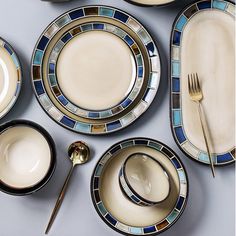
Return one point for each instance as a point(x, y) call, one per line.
point(79, 154)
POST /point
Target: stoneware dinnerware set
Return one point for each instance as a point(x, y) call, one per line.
point(119, 74)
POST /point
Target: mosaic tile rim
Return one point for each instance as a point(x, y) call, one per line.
point(116, 15)
point(220, 159)
point(131, 96)
point(9, 49)
point(181, 201)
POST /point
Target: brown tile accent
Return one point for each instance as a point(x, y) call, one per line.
point(193, 9)
point(18, 75)
point(75, 31)
point(56, 91)
point(116, 110)
point(36, 72)
point(135, 48)
point(91, 11)
point(162, 225)
point(233, 153)
point(175, 101)
point(98, 128)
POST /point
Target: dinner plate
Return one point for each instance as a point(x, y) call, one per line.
point(70, 89)
point(114, 94)
point(151, 2)
point(10, 77)
point(108, 198)
point(203, 41)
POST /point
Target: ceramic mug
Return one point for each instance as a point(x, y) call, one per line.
point(144, 180)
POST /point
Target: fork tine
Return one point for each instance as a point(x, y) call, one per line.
point(193, 83)
point(198, 83)
point(189, 87)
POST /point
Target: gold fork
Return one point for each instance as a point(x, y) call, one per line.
point(196, 95)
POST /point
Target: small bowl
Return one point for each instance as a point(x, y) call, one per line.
point(144, 180)
point(27, 157)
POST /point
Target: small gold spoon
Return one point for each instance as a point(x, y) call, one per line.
point(79, 154)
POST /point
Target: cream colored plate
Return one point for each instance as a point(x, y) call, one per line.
point(207, 47)
point(109, 199)
point(149, 68)
point(25, 157)
point(10, 77)
point(152, 2)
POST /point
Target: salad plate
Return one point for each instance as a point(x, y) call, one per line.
point(10, 77)
point(108, 198)
point(110, 73)
point(204, 32)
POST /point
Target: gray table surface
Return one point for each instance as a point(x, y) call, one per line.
point(210, 209)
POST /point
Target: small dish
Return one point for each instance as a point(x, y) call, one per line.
point(27, 157)
point(144, 180)
point(108, 198)
point(105, 23)
point(151, 2)
point(10, 77)
point(201, 33)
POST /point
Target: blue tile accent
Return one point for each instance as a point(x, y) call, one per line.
point(42, 43)
point(7, 47)
point(18, 86)
point(87, 27)
point(111, 219)
point(175, 69)
point(39, 87)
point(38, 57)
point(63, 100)
point(51, 68)
point(176, 38)
point(181, 23)
point(93, 114)
point(180, 134)
point(140, 71)
point(150, 229)
point(16, 62)
point(129, 40)
point(177, 117)
point(180, 203)
point(224, 158)
point(96, 183)
point(135, 199)
point(151, 49)
point(106, 12)
point(176, 163)
point(67, 121)
point(82, 127)
point(219, 5)
point(115, 149)
point(121, 16)
point(113, 125)
point(141, 142)
point(175, 85)
point(76, 14)
point(98, 26)
point(126, 103)
point(204, 5)
point(66, 37)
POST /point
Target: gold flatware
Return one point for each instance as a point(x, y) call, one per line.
point(79, 154)
point(196, 95)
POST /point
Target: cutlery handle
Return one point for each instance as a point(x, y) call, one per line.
point(59, 200)
point(204, 131)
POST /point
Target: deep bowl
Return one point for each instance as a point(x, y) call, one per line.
point(27, 157)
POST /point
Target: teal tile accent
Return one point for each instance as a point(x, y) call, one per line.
point(105, 113)
point(181, 23)
point(127, 144)
point(38, 57)
point(177, 118)
point(102, 209)
point(139, 60)
point(87, 27)
point(81, 127)
point(172, 216)
point(63, 21)
point(204, 158)
point(182, 176)
point(52, 80)
point(219, 5)
point(15, 60)
point(103, 11)
point(134, 230)
point(155, 146)
point(153, 80)
point(98, 170)
point(175, 69)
